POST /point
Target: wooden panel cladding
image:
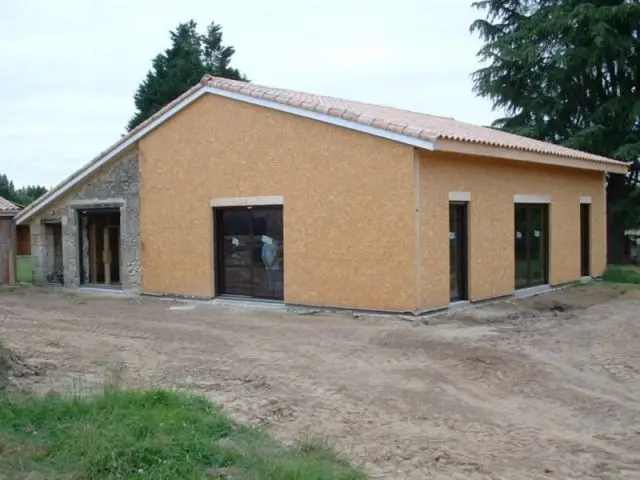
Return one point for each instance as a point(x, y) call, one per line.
point(348, 203)
point(365, 219)
point(23, 240)
point(494, 186)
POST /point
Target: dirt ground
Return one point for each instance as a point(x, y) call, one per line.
point(547, 387)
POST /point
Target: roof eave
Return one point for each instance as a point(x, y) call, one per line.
point(426, 144)
point(480, 149)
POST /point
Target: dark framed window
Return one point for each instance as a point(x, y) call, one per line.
point(458, 253)
point(531, 245)
point(249, 252)
point(585, 239)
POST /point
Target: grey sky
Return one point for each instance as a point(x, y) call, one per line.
point(70, 68)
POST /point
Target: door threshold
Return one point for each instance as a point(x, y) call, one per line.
point(531, 291)
point(100, 288)
point(458, 304)
point(248, 302)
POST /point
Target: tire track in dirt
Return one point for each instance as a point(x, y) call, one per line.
point(519, 391)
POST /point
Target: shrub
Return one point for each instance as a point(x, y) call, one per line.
point(621, 274)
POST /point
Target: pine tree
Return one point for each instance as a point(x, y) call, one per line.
point(7, 188)
point(20, 196)
point(181, 66)
point(568, 72)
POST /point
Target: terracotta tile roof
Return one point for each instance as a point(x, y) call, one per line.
point(404, 122)
point(7, 207)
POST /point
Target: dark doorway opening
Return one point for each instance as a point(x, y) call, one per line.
point(249, 252)
point(531, 245)
point(585, 239)
point(53, 255)
point(458, 264)
point(99, 241)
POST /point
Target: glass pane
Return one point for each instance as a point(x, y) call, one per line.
point(267, 255)
point(453, 253)
point(521, 241)
point(236, 252)
point(536, 237)
point(585, 256)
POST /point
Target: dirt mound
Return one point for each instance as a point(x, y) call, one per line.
point(13, 366)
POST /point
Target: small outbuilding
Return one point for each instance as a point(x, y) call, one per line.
point(243, 191)
point(8, 243)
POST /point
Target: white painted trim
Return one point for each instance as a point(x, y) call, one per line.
point(91, 167)
point(325, 118)
point(531, 199)
point(247, 201)
point(584, 200)
point(459, 196)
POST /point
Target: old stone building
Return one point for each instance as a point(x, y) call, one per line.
point(60, 244)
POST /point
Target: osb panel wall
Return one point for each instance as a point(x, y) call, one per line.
point(348, 203)
point(492, 184)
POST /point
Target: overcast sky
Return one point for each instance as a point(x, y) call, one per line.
point(70, 67)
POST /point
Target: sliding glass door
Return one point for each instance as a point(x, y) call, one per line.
point(249, 252)
point(531, 245)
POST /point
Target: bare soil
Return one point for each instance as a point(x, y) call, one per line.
point(542, 388)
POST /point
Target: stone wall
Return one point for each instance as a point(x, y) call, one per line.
point(115, 187)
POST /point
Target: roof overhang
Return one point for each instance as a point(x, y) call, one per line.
point(322, 117)
point(478, 149)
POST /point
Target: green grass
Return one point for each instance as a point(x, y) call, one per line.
point(621, 274)
point(151, 434)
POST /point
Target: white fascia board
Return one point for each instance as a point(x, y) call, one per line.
point(87, 170)
point(323, 117)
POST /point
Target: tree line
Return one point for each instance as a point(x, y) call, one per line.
point(568, 72)
point(20, 196)
point(562, 71)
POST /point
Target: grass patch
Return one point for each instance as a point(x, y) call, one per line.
point(621, 274)
point(151, 434)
